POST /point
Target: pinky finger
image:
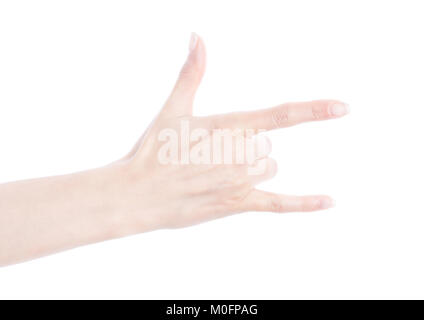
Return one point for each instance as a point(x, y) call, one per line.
point(259, 200)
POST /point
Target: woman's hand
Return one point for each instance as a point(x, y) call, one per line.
point(173, 177)
point(175, 192)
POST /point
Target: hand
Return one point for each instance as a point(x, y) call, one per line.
point(172, 178)
point(180, 193)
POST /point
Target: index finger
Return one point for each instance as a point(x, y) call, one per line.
point(282, 116)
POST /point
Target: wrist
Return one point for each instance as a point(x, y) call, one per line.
point(121, 195)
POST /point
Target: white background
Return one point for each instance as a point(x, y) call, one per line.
point(80, 80)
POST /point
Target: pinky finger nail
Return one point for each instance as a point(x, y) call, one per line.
point(339, 109)
point(326, 203)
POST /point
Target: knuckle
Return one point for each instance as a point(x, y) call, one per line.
point(189, 70)
point(305, 206)
point(238, 175)
point(280, 117)
point(233, 200)
point(272, 167)
point(275, 204)
point(233, 176)
point(310, 204)
point(320, 112)
point(184, 72)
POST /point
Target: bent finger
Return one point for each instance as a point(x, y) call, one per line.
point(262, 170)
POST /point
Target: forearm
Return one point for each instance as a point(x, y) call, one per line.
point(42, 216)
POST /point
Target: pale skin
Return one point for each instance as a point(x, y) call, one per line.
point(138, 194)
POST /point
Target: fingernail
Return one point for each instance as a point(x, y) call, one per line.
point(193, 41)
point(339, 109)
point(263, 146)
point(327, 203)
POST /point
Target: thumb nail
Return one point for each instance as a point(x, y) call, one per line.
point(193, 41)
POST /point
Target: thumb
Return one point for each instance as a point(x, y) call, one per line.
point(181, 99)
